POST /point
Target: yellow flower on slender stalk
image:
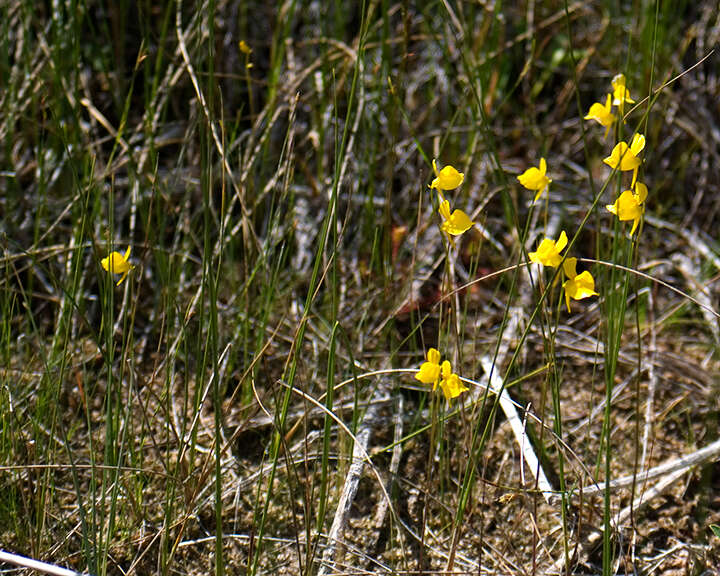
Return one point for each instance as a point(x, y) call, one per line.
point(624, 157)
point(602, 114)
point(451, 384)
point(620, 93)
point(446, 179)
point(548, 253)
point(535, 179)
point(577, 286)
point(629, 205)
point(429, 372)
point(117, 263)
point(455, 223)
point(244, 48)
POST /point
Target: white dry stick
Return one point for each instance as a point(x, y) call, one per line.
point(516, 423)
point(652, 382)
point(37, 565)
point(383, 506)
point(671, 472)
point(684, 463)
point(621, 517)
point(359, 456)
point(692, 274)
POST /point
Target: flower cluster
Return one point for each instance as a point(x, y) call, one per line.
point(454, 223)
point(457, 222)
point(624, 157)
point(246, 50)
point(433, 372)
point(602, 113)
point(576, 286)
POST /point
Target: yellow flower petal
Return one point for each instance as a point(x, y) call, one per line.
point(629, 205)
point(602, 114)
point(620, 93)
point(444, 209)
point(569, 267)
point(457, 223)
point(638, 144)
point(451, 384)
point(429, 372)
point(624, 157)
point(446, 179)
point(548, 252)
point(535, 179)
point(562, 242)
point(117, 263)
point(579, 287)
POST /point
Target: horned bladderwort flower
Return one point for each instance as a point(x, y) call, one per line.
point(630, 205)
point(620, 93)
point(117, 263)
point(451, 384)
point(548, 252)
point(577, 286)
point(455, 223)
point(535, 179)
point(431, 372)
point(446, 179)
point(602, 114)
point(624, 157)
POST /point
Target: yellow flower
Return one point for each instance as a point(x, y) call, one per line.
point(244, 48)
point(446, 179)
point(620, 93)
point(548, 253)
point(624, 157)
point(451, 384)
point(629, 205)
point(117, 263)
point(577, 286)
point(429, 372)
point(535, 179)
point(602, 114)
point(455, 223)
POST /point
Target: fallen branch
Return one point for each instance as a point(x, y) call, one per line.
point(359, 456)
point(37, 565)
